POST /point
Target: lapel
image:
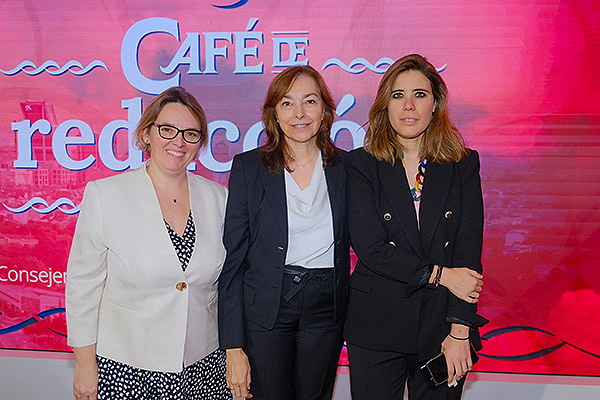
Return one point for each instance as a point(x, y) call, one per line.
point(200, 205)
point(436, 186)
point(149, 220)
point(395, 187)
point(335, 175)
point(274, 185)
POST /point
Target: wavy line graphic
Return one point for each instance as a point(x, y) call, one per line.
point(53, 68)
point(363, 65)
point(527, 356)
point(534, 354)
point(237, 4)
point(32, 320)
point(48, 209)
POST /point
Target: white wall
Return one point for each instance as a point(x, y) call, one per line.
point(35, 378)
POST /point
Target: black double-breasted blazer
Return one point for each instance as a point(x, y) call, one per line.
point(389, 308)
point(256, 239)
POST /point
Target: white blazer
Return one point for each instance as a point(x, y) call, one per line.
point(126, 291)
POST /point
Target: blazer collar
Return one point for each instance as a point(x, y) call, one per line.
point(274, 184)
point(151, 222)
point(336, 187)
point(436, 187)
point(395, 186)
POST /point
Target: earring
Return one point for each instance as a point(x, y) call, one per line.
point(276, 119)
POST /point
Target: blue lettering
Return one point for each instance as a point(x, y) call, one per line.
point(295, 51)
point(190, 46)
point(241, 51)
point(129, 54)
point(207, 158)
point(61, 139)
point(212, 52)
point(25, 132)
point(106, 139)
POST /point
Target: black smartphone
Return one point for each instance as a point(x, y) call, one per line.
point(435, 370)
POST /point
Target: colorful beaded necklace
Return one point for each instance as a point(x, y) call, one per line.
point(416, 191)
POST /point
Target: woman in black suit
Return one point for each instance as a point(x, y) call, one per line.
point(416, 222)
point(282, 291)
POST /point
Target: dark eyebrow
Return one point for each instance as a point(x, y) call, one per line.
point(414, 90)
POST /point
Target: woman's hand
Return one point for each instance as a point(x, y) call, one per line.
point(458, 353)
point(238, 373)
point(463, 282)
point(85, 383)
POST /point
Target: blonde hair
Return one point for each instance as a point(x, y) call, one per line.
point(442, 142)
point(175, 94)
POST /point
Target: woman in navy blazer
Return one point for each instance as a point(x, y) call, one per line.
point(141, 278)
point(281, 324)
point(416, 221)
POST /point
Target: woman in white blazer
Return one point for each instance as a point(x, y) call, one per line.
point(142, 273)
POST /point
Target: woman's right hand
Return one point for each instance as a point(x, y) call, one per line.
point(463, 282)
point(238, 373)
point(85, 383)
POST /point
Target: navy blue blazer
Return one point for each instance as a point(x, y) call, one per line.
point(387, 309)
point(256, 239)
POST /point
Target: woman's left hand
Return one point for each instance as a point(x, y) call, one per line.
point(458, 353)
point(463, 282)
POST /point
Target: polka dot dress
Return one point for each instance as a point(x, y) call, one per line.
point(203, 380)
point(184, 245)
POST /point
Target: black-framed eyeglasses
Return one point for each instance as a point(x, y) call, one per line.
point(170, 132)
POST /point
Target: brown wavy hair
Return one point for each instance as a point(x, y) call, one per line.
point(442, 142)
point(276, 153)
point(175, 94)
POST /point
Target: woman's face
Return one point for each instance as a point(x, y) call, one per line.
point(300, 111)
point(173, 155)
point(411, 105)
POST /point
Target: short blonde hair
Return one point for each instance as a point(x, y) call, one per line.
point(175, 94)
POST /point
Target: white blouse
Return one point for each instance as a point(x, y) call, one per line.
point(310, 223)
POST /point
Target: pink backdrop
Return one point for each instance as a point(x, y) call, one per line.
point(75, 75)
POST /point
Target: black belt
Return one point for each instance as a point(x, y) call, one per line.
point(301, 277)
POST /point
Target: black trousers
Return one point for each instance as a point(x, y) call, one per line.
point(377, 375)
point(298, 358)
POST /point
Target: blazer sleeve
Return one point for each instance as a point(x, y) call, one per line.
point(236, 237)
point(86, 271)
point(469, 237)
point(369, 238)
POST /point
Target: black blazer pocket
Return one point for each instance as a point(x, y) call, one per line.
point(249, 294)
point(361, 283)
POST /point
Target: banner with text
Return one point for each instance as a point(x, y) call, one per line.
point(75, 77)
